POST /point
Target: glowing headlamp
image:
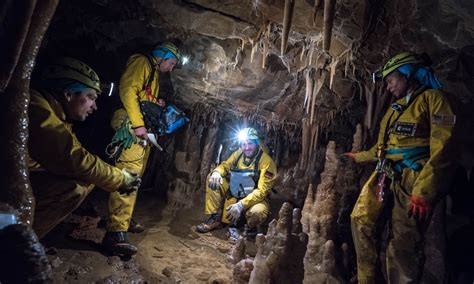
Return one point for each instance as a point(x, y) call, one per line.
point(242, 135)
point(185, 60)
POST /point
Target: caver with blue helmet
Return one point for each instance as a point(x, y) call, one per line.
point(413, 154)
point(240, 185)
point(62, 173)
point(139, 85)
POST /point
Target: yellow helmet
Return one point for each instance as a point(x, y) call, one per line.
point(171, 47)
point(70, 68)
point(396, 61)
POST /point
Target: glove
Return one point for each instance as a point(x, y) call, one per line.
point(124, 136)
point(234, 211)
point(419, 208)
point(344, 157)
point(215, 181)
point(131, 182)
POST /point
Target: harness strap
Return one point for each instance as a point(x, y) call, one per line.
point(147, 85)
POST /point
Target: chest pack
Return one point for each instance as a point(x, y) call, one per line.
point(162, 120)
point(244, 181)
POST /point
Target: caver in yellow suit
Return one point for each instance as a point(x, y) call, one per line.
point(262, 169)
point(139, 83)
point(412, 151)
point(62, 172)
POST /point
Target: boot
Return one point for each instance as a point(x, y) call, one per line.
point(135, 227)
point(117, 243)
point(212, 223)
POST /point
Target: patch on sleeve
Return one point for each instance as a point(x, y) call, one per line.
point(444, 119)
point(269, 174)
point(404, 128)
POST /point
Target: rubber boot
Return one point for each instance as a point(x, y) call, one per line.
point(212, 223)
point(117, 243)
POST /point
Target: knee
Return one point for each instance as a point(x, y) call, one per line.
point(257, 214)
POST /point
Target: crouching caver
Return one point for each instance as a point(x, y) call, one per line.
point(240, 185)
point(62, 172)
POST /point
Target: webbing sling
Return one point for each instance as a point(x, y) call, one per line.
point(410, 156)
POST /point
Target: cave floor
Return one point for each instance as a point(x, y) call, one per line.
point(169, 251)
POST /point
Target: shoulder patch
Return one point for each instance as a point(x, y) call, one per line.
point(269, 174)
point(444, 119)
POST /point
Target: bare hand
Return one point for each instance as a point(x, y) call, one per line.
point(141, 132)
point(161, 103)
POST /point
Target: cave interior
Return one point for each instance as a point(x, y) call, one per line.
point(298, 71)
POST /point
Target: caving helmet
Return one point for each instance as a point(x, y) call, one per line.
point(397, 61)
point(167, 50)
point(67, 68)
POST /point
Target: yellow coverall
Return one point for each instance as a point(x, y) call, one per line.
point(132, 92)
point(427, 122)
point(62, 172)
point(255, 204)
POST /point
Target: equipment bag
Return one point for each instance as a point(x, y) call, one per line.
point(161, 120)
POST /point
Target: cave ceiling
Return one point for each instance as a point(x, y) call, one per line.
point(236, 64)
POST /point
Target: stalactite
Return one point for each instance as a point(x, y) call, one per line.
point(287, 18)
point(316, 7)
point(305, 142)
point(207, 153)
point(319, 261)
point(17, 190)
point(369, 96)
point(309, 89)
point(266, 43)
point(329, 11)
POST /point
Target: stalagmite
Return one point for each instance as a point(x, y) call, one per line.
point(307, 207)
point(238, 251)
point(329, 11)
point(280, 253)
point(319, 261)
point(287, 18)
point(242, 271)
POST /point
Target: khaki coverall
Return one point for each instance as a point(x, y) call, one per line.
point(62, 172)
point(428, 121)
point(255, 204)
point(134, 159)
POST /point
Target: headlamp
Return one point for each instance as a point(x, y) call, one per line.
point(242, 135)
point(185, 60)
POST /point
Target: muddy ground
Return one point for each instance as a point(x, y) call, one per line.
point(170, 251)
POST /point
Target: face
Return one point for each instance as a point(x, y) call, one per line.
point(168, 65)
point(78, 106)
point(249, 148)
point(397, 84)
